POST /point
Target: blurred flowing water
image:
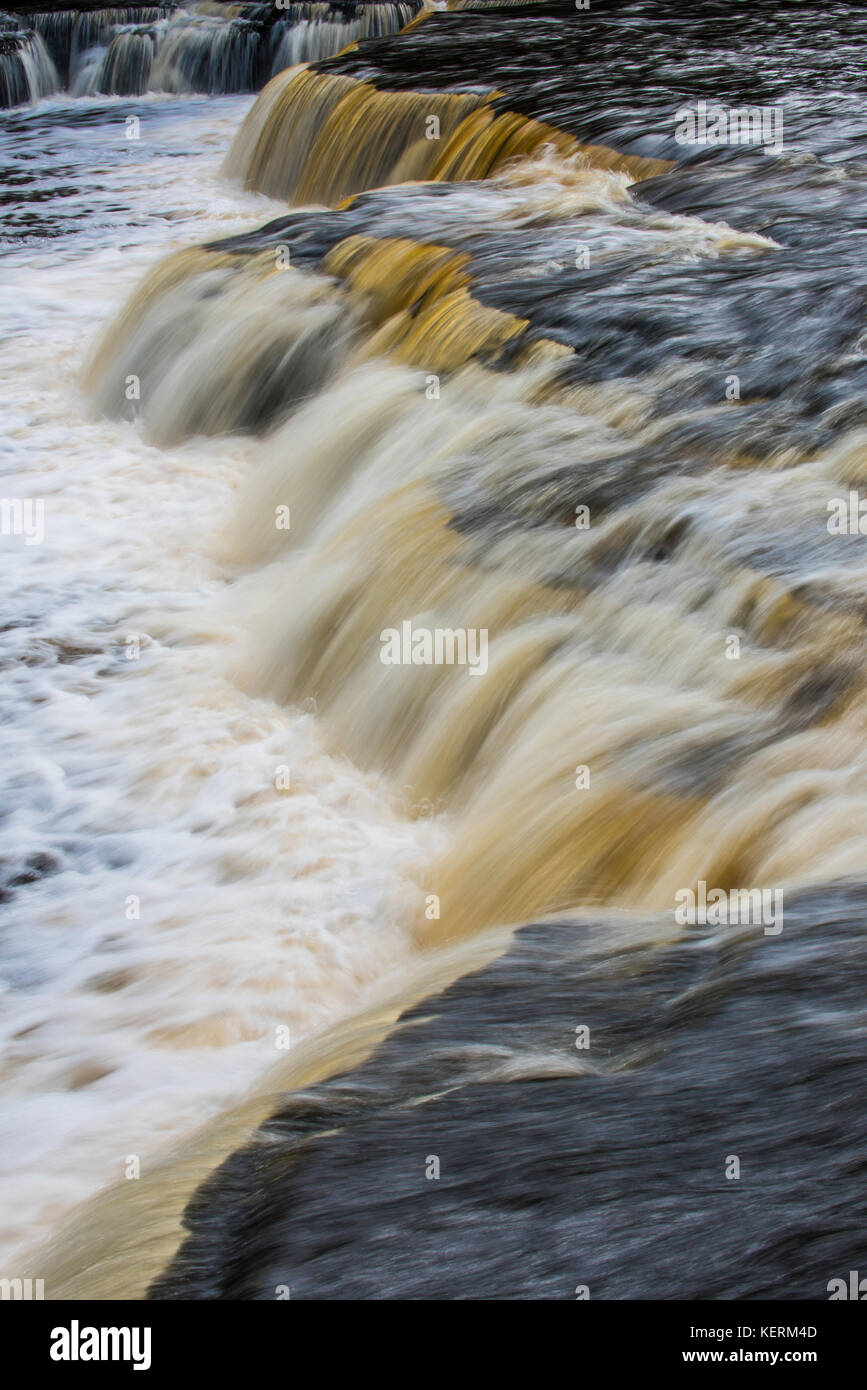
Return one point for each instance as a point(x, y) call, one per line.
point(440, 348)
point(257, 908)
point(193, 46)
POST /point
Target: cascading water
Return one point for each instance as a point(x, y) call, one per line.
point(479, 441)
point(26, 71)
point(188, 47)
point(319, 34)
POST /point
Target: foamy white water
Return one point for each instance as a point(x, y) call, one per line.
point(167, 909)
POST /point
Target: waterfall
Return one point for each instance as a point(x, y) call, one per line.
point(433, 652)
point(190, 47)
point(202, 54)
point(122, 68)
point(69, 35)
point(27, 73)
point(335, 369)
point(320, 137)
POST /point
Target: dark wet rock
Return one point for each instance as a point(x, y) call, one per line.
point(737, 1045)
